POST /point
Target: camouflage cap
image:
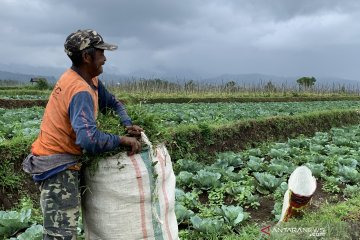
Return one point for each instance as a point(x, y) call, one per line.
point(82, 39)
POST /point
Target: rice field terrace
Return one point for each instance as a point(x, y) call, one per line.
point(232, 161)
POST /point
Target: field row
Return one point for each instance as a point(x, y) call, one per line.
point(23, 122)
point(26, 121)
point(172, 114)
point(24, 94)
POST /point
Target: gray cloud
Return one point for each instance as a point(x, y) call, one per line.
point(281, 37)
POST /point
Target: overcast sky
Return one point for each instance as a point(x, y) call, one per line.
point(204, 38)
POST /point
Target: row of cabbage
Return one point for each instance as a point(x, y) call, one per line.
point(25, 97)
point(173, 114)
point(24, 94)
point(21, 122)
point(218, 198)
point(25, 121)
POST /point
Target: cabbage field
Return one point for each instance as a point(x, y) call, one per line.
point(22, 122)
point(173, 114)
point(230, 194)
point(25, 122)
point(221, 196)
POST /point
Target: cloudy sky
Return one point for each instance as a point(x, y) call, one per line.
point(190, 37)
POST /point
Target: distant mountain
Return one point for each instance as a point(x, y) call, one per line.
point(24, 78)
point(32, 70)
point(252, 79)
point(114, 78)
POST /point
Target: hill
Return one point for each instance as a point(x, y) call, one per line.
point(23, 78)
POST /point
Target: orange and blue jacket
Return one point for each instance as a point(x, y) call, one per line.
point(69, 121)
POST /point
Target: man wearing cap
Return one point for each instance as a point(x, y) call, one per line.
point(69, 129)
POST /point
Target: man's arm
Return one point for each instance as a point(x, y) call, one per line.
point(88, 137)
point(107, 100)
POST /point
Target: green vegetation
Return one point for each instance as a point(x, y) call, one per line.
point(205, 141)
point(160, 91)
point(209, 139)
point(22, 223)
point(331, 221)
point(24, 94)
point(231, 159)
point(8, 176)
point(14, 183)
point(306, 82)
point(42, 84)
point(20, 123)
point(172, 114)
point(25, 122)
point(147, 87)
point(240, 180)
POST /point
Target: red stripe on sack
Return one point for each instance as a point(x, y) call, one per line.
point(142, 195)
point(162, 164)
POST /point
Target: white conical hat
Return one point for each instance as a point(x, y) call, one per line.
point(301, 182)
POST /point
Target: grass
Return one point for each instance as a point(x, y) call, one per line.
point(157, 90)
point(133, 92)
point(22, 91)
point(8, 176)
point(331, 221)
point(206, 140)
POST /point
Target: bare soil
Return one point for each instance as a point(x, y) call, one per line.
point(263, 213)
point(15, 103)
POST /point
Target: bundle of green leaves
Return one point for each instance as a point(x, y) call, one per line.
point(110, 123)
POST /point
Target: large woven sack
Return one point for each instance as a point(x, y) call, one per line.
point(131, 197)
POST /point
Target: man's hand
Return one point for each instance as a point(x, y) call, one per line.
point(134, 130)
point(131, 142)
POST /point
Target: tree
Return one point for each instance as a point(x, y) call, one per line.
point(42, 84)
point(230, 86)
point(270, 87)
point(306, 82)
point(190, 85)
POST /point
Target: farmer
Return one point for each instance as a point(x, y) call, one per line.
point(69, 129)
